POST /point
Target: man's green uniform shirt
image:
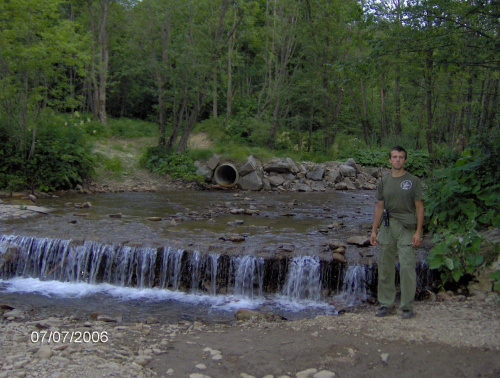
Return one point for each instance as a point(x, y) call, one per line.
point(399, 195)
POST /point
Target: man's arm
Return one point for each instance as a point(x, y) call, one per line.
point(379, 209)
point(417, 236)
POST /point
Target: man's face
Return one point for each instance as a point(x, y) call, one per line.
point(398, 159)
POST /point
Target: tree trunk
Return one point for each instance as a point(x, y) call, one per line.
point(214, 93)
point(100, 61)
point(181, 147)
point(229, 95)
point(365, 122)
point(311, 120)
point(398, 129)
point(428, 101)
point(494, 105)
point(383, 130)
point(468, 118)
point(103, 72)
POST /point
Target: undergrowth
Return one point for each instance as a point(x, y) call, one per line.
point(462, 200)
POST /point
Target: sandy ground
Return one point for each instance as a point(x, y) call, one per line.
point(444, 339)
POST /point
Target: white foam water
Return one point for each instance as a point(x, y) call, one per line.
point(57, 268)
point(226, 303)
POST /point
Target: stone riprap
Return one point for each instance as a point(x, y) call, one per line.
point(286, 175)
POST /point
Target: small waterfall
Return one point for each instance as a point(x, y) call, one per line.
point(248, 275)
point(304, 281)
point(196, 270)
point(204, 272)
point(214, 258)
point(355, 284)
point(171, 268)
point(298, 278)
point(45, 259)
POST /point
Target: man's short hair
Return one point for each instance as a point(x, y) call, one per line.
point(398, 149)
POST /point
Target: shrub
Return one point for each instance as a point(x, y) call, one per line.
point(418, 162)
point(463, 200)
point(61, 157)
point(158, 160)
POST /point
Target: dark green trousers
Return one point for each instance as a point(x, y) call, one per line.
point(395, 240)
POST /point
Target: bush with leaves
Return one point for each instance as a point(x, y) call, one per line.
point(418, 162)
point(161, 161)
point(60, 158)
point(462, 201)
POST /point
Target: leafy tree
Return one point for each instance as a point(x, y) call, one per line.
point(40, 54)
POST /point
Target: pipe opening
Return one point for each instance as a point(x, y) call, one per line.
point(226, 174)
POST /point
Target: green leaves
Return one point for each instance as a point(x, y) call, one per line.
point(61, 158)
point(462, 200)
point(159, 160)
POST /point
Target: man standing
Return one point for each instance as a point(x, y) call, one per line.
point(400, 203)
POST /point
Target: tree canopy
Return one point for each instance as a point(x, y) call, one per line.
point(279, 73)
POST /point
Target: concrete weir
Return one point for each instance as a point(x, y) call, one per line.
point(296, 277)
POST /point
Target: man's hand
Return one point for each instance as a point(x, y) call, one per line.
point(373, 238)
point(416, 240)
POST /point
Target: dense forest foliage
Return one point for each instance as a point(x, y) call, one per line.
point(314, 77)
point(280, 73)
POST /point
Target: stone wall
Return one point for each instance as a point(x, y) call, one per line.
point(284, 174)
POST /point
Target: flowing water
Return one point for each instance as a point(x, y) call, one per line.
point(188, 264)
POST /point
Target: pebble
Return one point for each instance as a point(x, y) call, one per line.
point(384, 357)
point(308, 373)
point(324, 374)
point(44, 352)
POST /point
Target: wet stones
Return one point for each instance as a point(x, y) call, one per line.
point(233, 238)
point(339, 258)
point(245, 314)
point(360, 241)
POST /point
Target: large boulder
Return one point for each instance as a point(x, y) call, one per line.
point(252, 181)
point(249, 166)
point(347, 170)
point(213, 162)
point(350, 185)
point(266, 185)
point(279, 165)
point(204, 171)
point(351, 162)
point(317, 186)
point(301, 187)
point(333, 177)
point(316, 174)
point(276, 180)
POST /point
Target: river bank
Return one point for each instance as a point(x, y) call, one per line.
point(447, 339)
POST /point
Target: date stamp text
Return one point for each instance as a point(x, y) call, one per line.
point(69, 337)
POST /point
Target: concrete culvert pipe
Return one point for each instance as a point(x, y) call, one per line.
point(226, 174)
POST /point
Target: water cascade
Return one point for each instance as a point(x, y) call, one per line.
point(355, 287)
point(303, 281)
point(297, 277)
